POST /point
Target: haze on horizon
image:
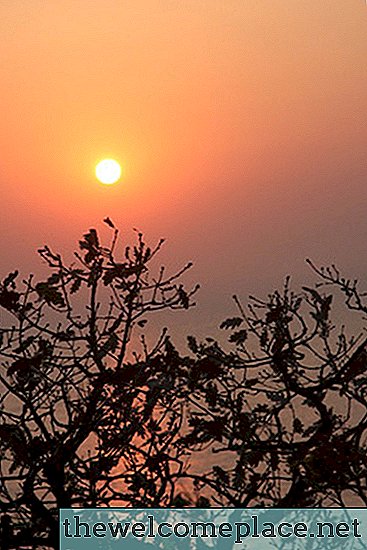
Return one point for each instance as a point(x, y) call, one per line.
point(240, 126)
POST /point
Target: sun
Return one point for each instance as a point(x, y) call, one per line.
point(108, 171)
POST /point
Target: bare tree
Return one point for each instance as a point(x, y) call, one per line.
point(86, 419)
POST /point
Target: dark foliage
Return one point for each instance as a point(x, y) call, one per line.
point(86, 419)
point(286, 407)
point(92, 416)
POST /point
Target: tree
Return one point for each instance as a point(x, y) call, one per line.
point(286, 407)
point(86, 419)
point(91, 416)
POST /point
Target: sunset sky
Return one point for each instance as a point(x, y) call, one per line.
point(240, 125)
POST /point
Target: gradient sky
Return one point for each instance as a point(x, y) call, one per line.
point(241, 126)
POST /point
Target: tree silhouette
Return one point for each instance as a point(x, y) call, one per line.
point(91, 416)
point(286, 407)
point(86, 420)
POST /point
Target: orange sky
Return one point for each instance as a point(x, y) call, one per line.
point(240, 124)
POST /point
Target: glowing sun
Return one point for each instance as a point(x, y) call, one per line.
point(108, 171)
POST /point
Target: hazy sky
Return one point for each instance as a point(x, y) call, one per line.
point(241, 126)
